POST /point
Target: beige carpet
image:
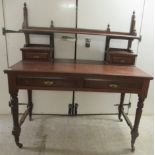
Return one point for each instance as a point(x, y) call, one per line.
point(82, 135)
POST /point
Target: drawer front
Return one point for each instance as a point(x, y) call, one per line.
point(45, 82)
point(35, 55)
point(112, 85)
point(122, 60)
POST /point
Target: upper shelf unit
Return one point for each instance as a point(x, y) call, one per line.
point(131, 35)
point(42, 52)
point(26, 29)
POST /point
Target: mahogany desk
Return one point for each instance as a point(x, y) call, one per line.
point(79, 76)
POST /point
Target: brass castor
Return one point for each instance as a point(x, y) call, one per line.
point(20, 145)
point(132, 148)
point(121, 120)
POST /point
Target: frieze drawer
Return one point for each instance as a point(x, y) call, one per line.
point(45, 82)
point(112, 84)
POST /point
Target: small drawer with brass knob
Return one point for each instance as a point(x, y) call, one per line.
point(120, 57)
point(37, 53)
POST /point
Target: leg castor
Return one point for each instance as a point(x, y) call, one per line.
point(134, 135)
point(121, 120)
point(20, 145)
point(30, 118)
point(132, 148)
point(16, 136)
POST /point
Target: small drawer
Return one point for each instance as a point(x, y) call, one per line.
point(112, 85)
point(37, 53)
point(121, 57)
point(122, 60)
point(45, 82)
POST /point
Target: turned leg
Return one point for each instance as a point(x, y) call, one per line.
point(30, 104)
point(14, 110)
point(134, 132)
point(120, 107)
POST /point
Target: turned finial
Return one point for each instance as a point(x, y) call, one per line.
point(133, 23)
point(133, 15)
point(108, 28)
point(24, 4)
point(25, 13)
point(52, 23)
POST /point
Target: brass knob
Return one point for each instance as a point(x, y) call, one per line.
point(48, 83)
point(36, 56)
point(113, 86)
point(122, 61)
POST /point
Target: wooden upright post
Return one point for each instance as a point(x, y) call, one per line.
point(132, 29)
point(107, 42)
point(52, 42)
point(25, 24)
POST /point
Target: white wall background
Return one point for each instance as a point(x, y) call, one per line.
point(92, 14)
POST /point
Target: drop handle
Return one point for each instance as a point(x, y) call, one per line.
point(48, 83)
point(113, 86)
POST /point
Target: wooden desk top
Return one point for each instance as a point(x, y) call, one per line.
point(81, 67)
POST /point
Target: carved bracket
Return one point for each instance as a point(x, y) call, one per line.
point(4, 31)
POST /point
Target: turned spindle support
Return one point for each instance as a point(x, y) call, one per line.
point(14, 110)
point(134, 131)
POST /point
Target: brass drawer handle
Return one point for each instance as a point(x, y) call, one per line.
point(48, 83)
point(36, 57)
point(122, 61)
point(113, 86)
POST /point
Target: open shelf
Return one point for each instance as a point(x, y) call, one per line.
point(51, 30)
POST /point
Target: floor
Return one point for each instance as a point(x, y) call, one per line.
point(81, 135)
